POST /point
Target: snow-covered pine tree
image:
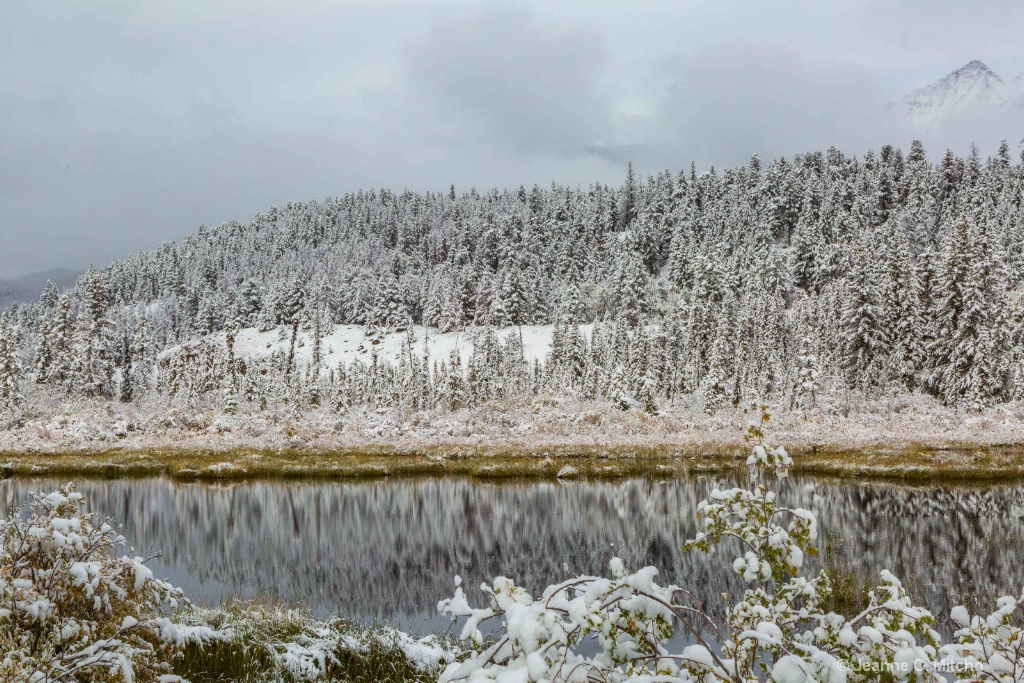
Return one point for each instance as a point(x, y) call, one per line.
point(979, 347)
point(58, 350)
point(92, 367)
point(647, 397)
point(49, 298)
point(317, 319)
point(248, 302)
point(538, 293)
point(44, 358)
point(805, 390)
point(629, 289)
point(970, 337)
point(389, 310)
point(718, 382)
point(571, 309)
point(616, 390)
point(901, 308)
point(509, 305)
point(230, 405)
point(514, 368)
point(141, 367)
point(126, 387)
point(452, 389)
point(865, 343)
point(10, 368)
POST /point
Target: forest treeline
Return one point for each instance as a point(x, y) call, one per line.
point(784, 281)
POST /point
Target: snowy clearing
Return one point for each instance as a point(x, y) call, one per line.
point(346, 344)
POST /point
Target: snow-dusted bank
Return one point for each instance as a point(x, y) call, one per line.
point(74, 609)
point(531, 390)
point(902, 436)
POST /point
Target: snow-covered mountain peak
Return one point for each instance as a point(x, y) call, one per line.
point(972, 86)
point(975, 67)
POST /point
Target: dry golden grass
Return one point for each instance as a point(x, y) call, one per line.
point(912, 463)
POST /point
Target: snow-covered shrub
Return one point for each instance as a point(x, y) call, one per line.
point(777, 630)
point(989, 648)
point(71, 609)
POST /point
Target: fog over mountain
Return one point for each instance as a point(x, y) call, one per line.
point(28, 287)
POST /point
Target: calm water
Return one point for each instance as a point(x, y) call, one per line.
point(388, 550)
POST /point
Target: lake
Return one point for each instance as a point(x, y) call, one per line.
point(388, 550)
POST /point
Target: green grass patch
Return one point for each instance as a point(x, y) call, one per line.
point(955, 463)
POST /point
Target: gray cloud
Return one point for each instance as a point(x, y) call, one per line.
point(944, 33)
point(502, 76)
point(126, 124)
point(724, 104)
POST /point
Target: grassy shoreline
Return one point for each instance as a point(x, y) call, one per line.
point(910, 462)
point(317, 650)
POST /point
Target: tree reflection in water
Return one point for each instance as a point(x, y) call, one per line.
point(388, 550)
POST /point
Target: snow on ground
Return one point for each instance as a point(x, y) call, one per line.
point(348, 343)
point(523, 424)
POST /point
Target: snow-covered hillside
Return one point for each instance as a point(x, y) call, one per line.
point(346, 344)
point(790, 282)
point(971, 89)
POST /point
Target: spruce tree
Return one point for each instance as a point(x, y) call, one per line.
point(389, 309)
point(59, 345)
point(10, 368)
point(718, 384)
point(805, 393)
point(630, 288)
point(230, 404)
point(92, 368)
point(141, 367)
point(947, 308)
point(647, 396)
point(904, 321)
point(44, 359)
point(974, 345)
point(865, 342)
point(126, 388)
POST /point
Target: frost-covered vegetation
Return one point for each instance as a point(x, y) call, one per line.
point(802, 280)
point(526, 427)
point(71, 608)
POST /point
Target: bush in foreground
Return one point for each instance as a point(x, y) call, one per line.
point(778, 630)
point(71, 609)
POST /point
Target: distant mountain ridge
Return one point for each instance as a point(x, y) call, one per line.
point(972, 89)
point(28, 287)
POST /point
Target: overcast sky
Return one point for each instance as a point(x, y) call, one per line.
point(127, 123)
